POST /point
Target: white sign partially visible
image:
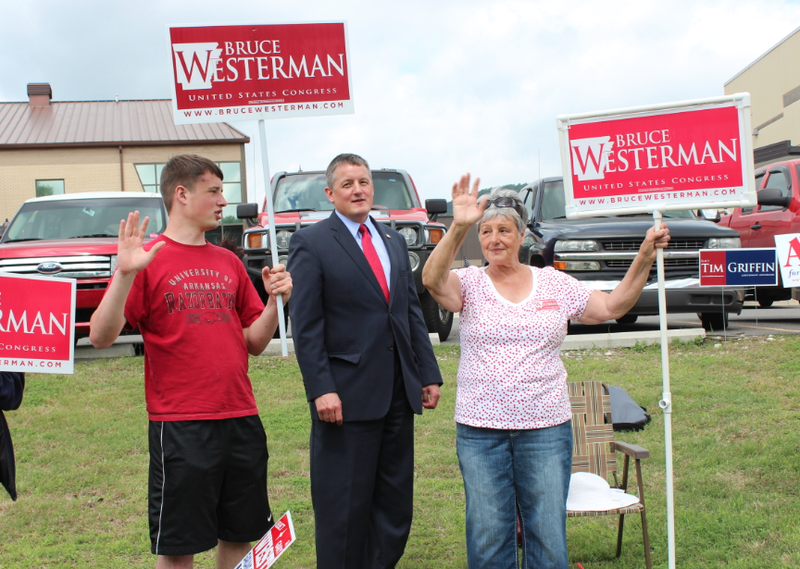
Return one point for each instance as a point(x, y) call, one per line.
point(788, 248)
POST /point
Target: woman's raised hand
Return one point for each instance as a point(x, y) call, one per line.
point(467, 210)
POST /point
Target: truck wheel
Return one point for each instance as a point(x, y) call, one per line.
point(714, 321)
point(765, 303)
point(628, 319)
point(437, 319)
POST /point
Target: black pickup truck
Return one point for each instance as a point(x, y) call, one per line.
point(599, 250)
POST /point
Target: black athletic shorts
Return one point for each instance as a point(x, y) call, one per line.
point(208, 481)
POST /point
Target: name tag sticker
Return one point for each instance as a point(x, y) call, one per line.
point(546, 304)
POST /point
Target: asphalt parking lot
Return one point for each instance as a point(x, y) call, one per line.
point(780, 318)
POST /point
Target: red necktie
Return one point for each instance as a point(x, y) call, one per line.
point(372, 258)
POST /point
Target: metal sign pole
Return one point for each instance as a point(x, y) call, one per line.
point(666, 396)
point(273, 243)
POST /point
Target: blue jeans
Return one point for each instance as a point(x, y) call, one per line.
point(505, 471)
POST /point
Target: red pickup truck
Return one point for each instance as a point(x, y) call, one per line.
point(778, 212)
point(75, 236)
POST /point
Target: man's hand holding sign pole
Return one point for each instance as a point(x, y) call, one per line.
point(652, 159)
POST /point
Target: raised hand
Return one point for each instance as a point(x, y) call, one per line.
point(467, 210)
point(131, 256)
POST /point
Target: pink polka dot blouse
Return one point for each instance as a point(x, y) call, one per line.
point(511, 375)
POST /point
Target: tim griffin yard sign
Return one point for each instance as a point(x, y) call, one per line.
point(738, 267)
point(227, 73)
point(674, 156)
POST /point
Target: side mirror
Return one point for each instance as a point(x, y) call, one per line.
point(435, 207)
point(247, 211)
point(773, 196)
point(710, 214)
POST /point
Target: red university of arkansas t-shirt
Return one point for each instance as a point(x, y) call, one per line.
point(191, 304)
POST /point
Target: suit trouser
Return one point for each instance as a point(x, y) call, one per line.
point(362, 483)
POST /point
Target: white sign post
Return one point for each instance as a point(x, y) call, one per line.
point(245, 72)
point(652, 159)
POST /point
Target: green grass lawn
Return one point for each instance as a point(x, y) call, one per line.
point(82, 462)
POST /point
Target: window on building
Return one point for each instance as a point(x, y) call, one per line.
point(231, 189)
point(149, 176)
point(49, 187)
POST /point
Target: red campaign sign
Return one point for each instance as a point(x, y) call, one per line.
point(271, 546)
point(228, 73)
point(673, 156)
point(37, 324)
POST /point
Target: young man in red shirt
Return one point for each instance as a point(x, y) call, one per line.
point(200, 317)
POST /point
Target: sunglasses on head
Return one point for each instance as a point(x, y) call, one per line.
point(506, 202)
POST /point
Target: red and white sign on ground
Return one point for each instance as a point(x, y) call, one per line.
point(227, 73)
point(271, 546)
point(37, 324)
point(686, 155)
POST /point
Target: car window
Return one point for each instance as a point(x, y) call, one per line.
point(681, 213)
point(758, 182)
point(391, 191)
point(303, 191)
point(776, 180)
point(554, 202)
point(307, 191)
point(65, 219)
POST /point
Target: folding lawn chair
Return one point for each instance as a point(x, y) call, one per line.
point(594, 450)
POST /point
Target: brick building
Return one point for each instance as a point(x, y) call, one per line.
point(773, 81)
point(90, 146)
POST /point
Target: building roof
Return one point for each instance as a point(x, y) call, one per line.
point(104, 123)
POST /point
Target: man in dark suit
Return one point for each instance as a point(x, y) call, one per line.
point(368, 367)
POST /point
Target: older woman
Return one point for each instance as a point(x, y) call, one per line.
point(514, 437)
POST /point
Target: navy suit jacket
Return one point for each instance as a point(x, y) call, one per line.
point(345, 335)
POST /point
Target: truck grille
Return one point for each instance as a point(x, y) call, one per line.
point(683, 244)
point(625, 263)
point(73, 267)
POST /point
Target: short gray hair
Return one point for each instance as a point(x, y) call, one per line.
point(518, 214)
point(352, 159)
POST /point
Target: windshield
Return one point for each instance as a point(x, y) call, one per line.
point(307, 192)
point(65, 219)
point(554, 204)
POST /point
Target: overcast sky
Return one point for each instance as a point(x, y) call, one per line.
point(440, 88)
